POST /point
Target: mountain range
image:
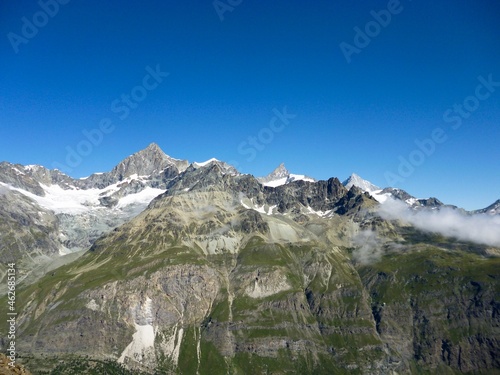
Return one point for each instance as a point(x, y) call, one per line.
point(165, 266)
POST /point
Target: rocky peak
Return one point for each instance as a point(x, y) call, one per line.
point(281, 176)
point(356, 180)
point(153, 148)
point(151, 160)
point(279, 173)
point(223, 167)
point(430, 202)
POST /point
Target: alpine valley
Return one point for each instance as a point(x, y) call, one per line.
point(162, 266)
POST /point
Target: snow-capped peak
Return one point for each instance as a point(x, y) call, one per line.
point(279, 172)
point(356, 180)
point(204, 163)
point(281, 176)
point(32, 166)
point(222, 166)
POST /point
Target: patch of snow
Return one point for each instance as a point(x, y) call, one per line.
point(276, 183)
point(379, 196)
point(31, 166)
point(171, 160)
point(245, 206)
point(299, 177)
point(18, 171)
point(260, 209)
point(144, 337)
point(319, 213)
point(76, 201)
point(96, 173)
point(64, 201)
point(411, 201)
point(132, 177)
point(271, 209)
point(202, 164)
point(287, 179)
point(143, 197)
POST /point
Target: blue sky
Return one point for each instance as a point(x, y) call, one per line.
point(413, 77)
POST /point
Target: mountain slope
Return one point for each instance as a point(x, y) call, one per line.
point(213, 268)
point(221, 274)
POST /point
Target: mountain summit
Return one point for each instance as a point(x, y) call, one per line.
point(281, 176)
point(356, 180)
point(146, 162)
point(279, 173)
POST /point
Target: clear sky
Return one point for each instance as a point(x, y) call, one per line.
point(328, 87)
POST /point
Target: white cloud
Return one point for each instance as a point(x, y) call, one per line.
point(368, 247)
point(479, 228)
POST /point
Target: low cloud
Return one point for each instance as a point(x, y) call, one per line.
point(368, 247)
point(480, 228)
